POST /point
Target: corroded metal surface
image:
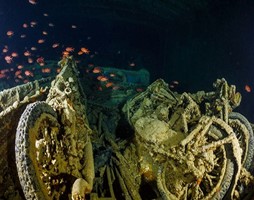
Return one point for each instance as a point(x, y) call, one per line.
point(12, 103)
point(53, 147)
point(160, 145)
point(191, 153)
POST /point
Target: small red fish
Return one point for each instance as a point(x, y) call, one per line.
point(66, 53)
point(20, 77)
point(14, 54)
point(30, 60)
point(18, 72)
point(33, 23)
point(175, 82)
point(103, 79)
point(25, 25)
point(34, 2)
point(247, 88)
point(109, 84)
point(5, 50)
point(40, 60)
point(46, 70)
point(85, 50)
point(9, 33)
point(55, 45)
point(97, 70)
point(40, 41)
point(20, 66)
point(80, 52)
point(2, 75)
point(8, 59)
point(139, 89)
point(29, 73)
point(27, 53)
point(69, 49)
point(132, 64)
point(51, 24)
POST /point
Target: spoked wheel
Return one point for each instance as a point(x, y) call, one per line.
point(213, 185)
point(244, 134)
point(216, 182)
point(38, 156)
point(205, 174)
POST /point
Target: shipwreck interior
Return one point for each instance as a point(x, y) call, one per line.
point(192, 42)
point(177, 125)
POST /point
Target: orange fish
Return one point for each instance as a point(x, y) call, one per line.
point(4, 71)
point(103, 79)
point(97, 70)
point(25, 25)
point(9, 33)
point(247, 88)
point(33, 23)
point(80, 52)
point(5, 50)
point(30, 60)
point(44, 33)
point(99, 78)
point(51, 24)
point(27, 53)
point(8, 59)
point(116, 87)
point(20, 66)
point(100, 88)
point(34, 2)
point(85, 50)
point(46, 70)
point(2, 75)
point(40, 60)
point(55, 45)
point(40, 41)
point(109, 84)
point(69, 49)
point(175, 82)
point(20, 77)
point(132, 64)
point(14, 54)
point(33, 48)
point(139, 89)
point(29, 73)
point(18, 72)
point(66, 53)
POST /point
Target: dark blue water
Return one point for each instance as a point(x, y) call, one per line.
point(195, 48)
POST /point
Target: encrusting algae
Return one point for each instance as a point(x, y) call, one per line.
point(159, 145)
